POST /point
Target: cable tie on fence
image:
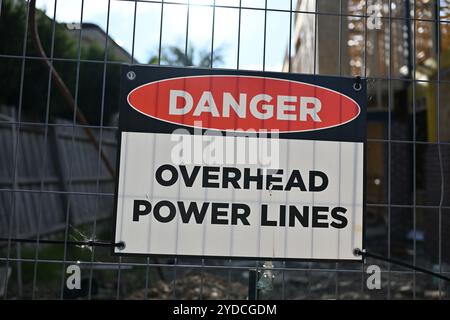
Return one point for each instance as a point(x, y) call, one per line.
point(90, 243)
point(365, 254)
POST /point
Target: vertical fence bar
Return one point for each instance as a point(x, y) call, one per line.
point(441, 167)
point(101, 124)
point(212, 34)
point(364, 74)
point(160, 32)
point(187, 31)
point(413, 76)
point(239, 34)
point(16, 149)
point(389, 146)
point(44, 161)
point(265, 35)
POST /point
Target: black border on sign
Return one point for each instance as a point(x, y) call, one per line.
point(237, 72)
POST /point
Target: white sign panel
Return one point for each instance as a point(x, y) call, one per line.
point(311, 207)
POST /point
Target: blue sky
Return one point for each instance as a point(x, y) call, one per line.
point(148, 16)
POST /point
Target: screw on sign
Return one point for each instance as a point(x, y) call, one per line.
point(131, 75)
point(313, 195)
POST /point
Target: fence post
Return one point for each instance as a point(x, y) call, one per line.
point(252, 288)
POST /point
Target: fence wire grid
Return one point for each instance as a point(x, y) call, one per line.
point(58, 138)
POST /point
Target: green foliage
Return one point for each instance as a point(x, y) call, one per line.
point(175, 56)
point(97, 89)
point(36, 75)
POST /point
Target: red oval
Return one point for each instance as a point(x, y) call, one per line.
point(208, 109)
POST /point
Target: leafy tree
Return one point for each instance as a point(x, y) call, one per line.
point(36, 74)
point(175, 56)
point(88, 90)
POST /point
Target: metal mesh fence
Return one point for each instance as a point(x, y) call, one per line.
point(58, 138)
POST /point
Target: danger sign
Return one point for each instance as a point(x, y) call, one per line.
point(240, 164)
